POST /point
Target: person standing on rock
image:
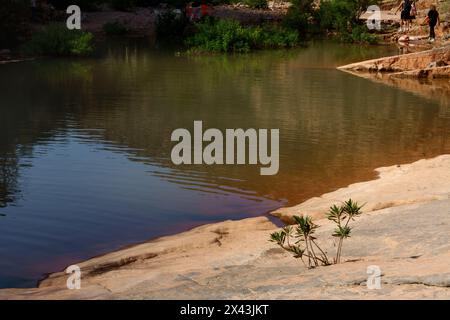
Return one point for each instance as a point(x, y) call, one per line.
point(405, 7)
point(433, 20)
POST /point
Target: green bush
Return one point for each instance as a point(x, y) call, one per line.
point(115, 28)
point(14, 21)
point(257, 4)
point(360, 34)
point(56, 39)
point(336, 15)
point(230, 36)
point(299, 15)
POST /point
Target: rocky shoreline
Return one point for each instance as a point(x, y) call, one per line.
point(425, 73)
point(404, 231)
point(431, 64)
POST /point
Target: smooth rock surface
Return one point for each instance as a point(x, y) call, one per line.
point(405, 232)
point(412, 63)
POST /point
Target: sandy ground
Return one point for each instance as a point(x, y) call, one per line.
point(404, 231)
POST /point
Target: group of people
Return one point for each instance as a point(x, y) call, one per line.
point(408, 13)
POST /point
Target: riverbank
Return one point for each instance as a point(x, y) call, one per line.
point(404, 231)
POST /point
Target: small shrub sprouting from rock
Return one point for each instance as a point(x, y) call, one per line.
point(342, 216)
point(299, 239)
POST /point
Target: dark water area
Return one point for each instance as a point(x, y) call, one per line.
point(85, 143)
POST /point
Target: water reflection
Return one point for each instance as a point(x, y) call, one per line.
point(85, 144)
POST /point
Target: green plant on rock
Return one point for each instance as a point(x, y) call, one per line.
point(302, 243)
point(342, 216)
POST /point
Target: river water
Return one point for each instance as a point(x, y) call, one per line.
point(85, 143)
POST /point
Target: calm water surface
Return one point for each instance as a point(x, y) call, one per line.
point(85, 144)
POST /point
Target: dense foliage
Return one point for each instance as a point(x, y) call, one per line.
point(230, 36)
point(300, 16)
point(56, 39)
point(340, 17)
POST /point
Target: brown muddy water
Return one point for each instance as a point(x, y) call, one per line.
point(85, 144)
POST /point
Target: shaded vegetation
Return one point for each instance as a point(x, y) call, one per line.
point(342, 17)
point(170, 25)
point(115, 28)
point(56, 39)
point(300, 16)
point(214, 35)
point(333, 17)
